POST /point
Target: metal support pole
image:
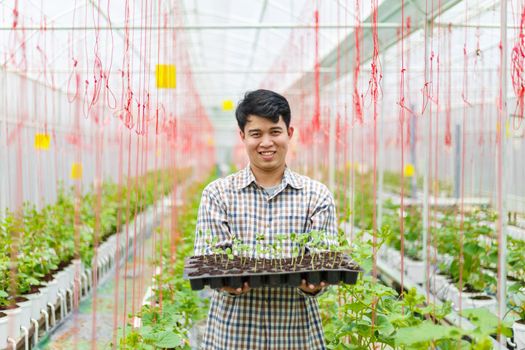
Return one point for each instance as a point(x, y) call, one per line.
point(413, 153)
point(426, 160)
point(380, 161)
point(352, 180)
point(315, 165)
point(4, 155)
point(331, 153)
point(383, 25)
point(501, 173)
point(457, 162)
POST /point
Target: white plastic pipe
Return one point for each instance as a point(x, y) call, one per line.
point(35, 335)
point(46, 318)
point(26, 337)
point(53, 319)
point(13, 342)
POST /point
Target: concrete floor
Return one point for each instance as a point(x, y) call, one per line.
point(77, 333)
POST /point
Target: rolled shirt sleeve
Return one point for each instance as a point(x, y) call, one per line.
point(212, 223)
point(323, 219)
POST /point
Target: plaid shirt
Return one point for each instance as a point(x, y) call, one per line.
point(276, 318)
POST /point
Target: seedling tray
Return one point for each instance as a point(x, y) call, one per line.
point(219, 271)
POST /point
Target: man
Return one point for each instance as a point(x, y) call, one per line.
point(264, 198)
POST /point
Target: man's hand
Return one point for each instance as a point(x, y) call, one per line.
point(237, 291)
point(311, 288)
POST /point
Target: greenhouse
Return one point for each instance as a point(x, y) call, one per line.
point(262, 174)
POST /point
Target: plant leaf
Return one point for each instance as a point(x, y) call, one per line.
point(487, 322)
point(425, 332)
point(167, 339)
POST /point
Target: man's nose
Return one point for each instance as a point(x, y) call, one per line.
point(266, 141)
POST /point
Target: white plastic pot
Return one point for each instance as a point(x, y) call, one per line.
point(44, 291)
point(70, 271)
point(36, 303)
point(13, 323)
point(77, 270)
point(3, 331)
point(62, 278)
point(467, 299)
point(415, 270)
point(394, 259)
point(518, 298)
point(438, 283)
point(25, 313)
point(480, 301)
point(383, 253)
point(453, 294)
point(518, 329)
point(52, 290)
point(447, 291)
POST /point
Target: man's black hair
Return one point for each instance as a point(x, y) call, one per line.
point(262, 103)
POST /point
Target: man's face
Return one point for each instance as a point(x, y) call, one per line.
point(266, 142)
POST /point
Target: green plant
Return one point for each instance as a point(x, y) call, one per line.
point(485, 324)
point(475, 249)
point(371, 315)
point(229, 255)
point(4, 280)
point(515, 249)
point(42, 240)
point(302, 240)
point(160, 329)
point(168, 327)
point(412, 229)
point(259, 248)
point(517, 302)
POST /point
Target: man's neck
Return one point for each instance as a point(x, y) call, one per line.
point(268, 178)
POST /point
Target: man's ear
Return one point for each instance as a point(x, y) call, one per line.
point(290, 131)
point(241, 134)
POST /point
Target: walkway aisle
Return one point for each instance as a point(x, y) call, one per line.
point(78, 327)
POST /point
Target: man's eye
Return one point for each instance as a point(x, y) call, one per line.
point(276, 132)
point(255, 135)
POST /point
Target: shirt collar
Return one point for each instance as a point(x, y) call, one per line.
point(246, 177)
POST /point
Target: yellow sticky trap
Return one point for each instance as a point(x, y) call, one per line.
point(166, 76)
point(210, 141)
point(409, 170)
point(227, 105)
point(508, 133)
point(76, 171)
point(42, 141)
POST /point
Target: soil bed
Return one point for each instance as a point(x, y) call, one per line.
point(219, 271)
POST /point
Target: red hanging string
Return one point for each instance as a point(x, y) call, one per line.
point(317, 73)
point(517, 66)
point(448, 108)
point(356, 97)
